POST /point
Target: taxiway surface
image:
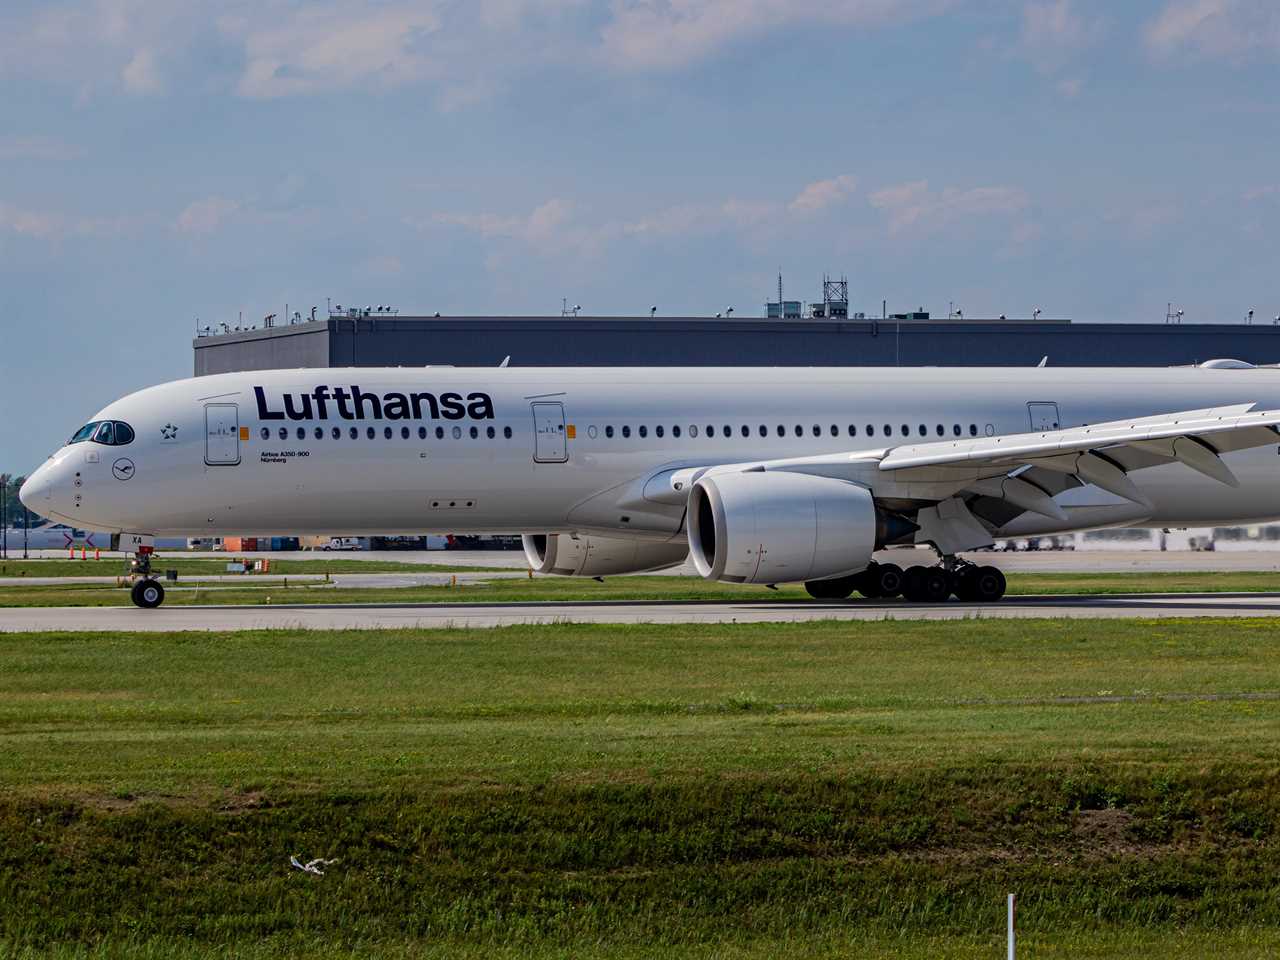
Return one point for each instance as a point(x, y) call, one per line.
point(438, 615)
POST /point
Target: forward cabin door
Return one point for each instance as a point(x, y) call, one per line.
point(550, 444)
point(1044, 416)
point(221, 434)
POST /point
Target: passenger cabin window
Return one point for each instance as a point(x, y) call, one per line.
point(506, 432)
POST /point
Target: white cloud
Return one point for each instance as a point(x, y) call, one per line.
point(48, 225)
point(646, 34)
point(822, 194)
point(29, 223)
point(463, 51)
point(1216, 28)
point(914, 207)
point(205, 216)
point(1054, 36)
point(335, 45)
point(140, 74)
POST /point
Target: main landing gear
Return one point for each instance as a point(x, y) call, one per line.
point(147, 592)
point(968, 582)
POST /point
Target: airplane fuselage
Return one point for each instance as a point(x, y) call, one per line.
point(420, 450)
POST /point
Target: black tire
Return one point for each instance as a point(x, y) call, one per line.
point(147, 594)
point(988, 585)
point(913, 584)
point(868, 582)
point(838, 589)
point(889, 579)
point(963, 585)
point(935, 586)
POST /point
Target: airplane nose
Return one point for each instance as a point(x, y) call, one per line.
point(37, 491)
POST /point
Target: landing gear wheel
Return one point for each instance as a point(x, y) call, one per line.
point(963, 584)
point(838, 589)
point(888, 580)
point(926, 585)
point(868, 582)
point(148, 594)
point(987, 584)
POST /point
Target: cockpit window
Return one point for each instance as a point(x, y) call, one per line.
point(85, 432)
point(111, 433)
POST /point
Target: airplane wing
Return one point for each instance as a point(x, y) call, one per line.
point(1102, 454)
point(1025, 470)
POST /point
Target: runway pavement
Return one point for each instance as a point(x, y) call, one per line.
point(435, 615)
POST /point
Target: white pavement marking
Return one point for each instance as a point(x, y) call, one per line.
point(437, 615)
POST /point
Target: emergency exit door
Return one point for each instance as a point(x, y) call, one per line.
point(549, 442)
point(1044, 416)
point(221, 434)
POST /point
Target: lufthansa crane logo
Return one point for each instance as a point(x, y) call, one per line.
point(122, 469)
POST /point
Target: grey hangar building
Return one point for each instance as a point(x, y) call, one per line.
point(367, 339)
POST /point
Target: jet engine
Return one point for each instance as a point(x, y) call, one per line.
point(568, 556)
point(780, 527)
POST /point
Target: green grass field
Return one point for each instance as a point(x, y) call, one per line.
point(804, 790)
point(257, 589)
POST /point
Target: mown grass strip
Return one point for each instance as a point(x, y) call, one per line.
point(788, 790)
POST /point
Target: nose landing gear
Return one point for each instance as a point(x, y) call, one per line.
point(147, 592)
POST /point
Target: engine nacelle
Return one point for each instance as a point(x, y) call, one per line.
point(779, 527)
point(567, 556)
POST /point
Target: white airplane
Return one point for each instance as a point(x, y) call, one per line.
point(763, 476)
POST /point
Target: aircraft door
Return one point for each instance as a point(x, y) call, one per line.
point(1044, 416)
point(549, 442)
point(222, 434)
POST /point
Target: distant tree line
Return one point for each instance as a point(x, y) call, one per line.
point(15, 513)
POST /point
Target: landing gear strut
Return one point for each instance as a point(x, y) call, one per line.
point(147, 592)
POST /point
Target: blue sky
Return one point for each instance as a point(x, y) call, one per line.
point(161, 162)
